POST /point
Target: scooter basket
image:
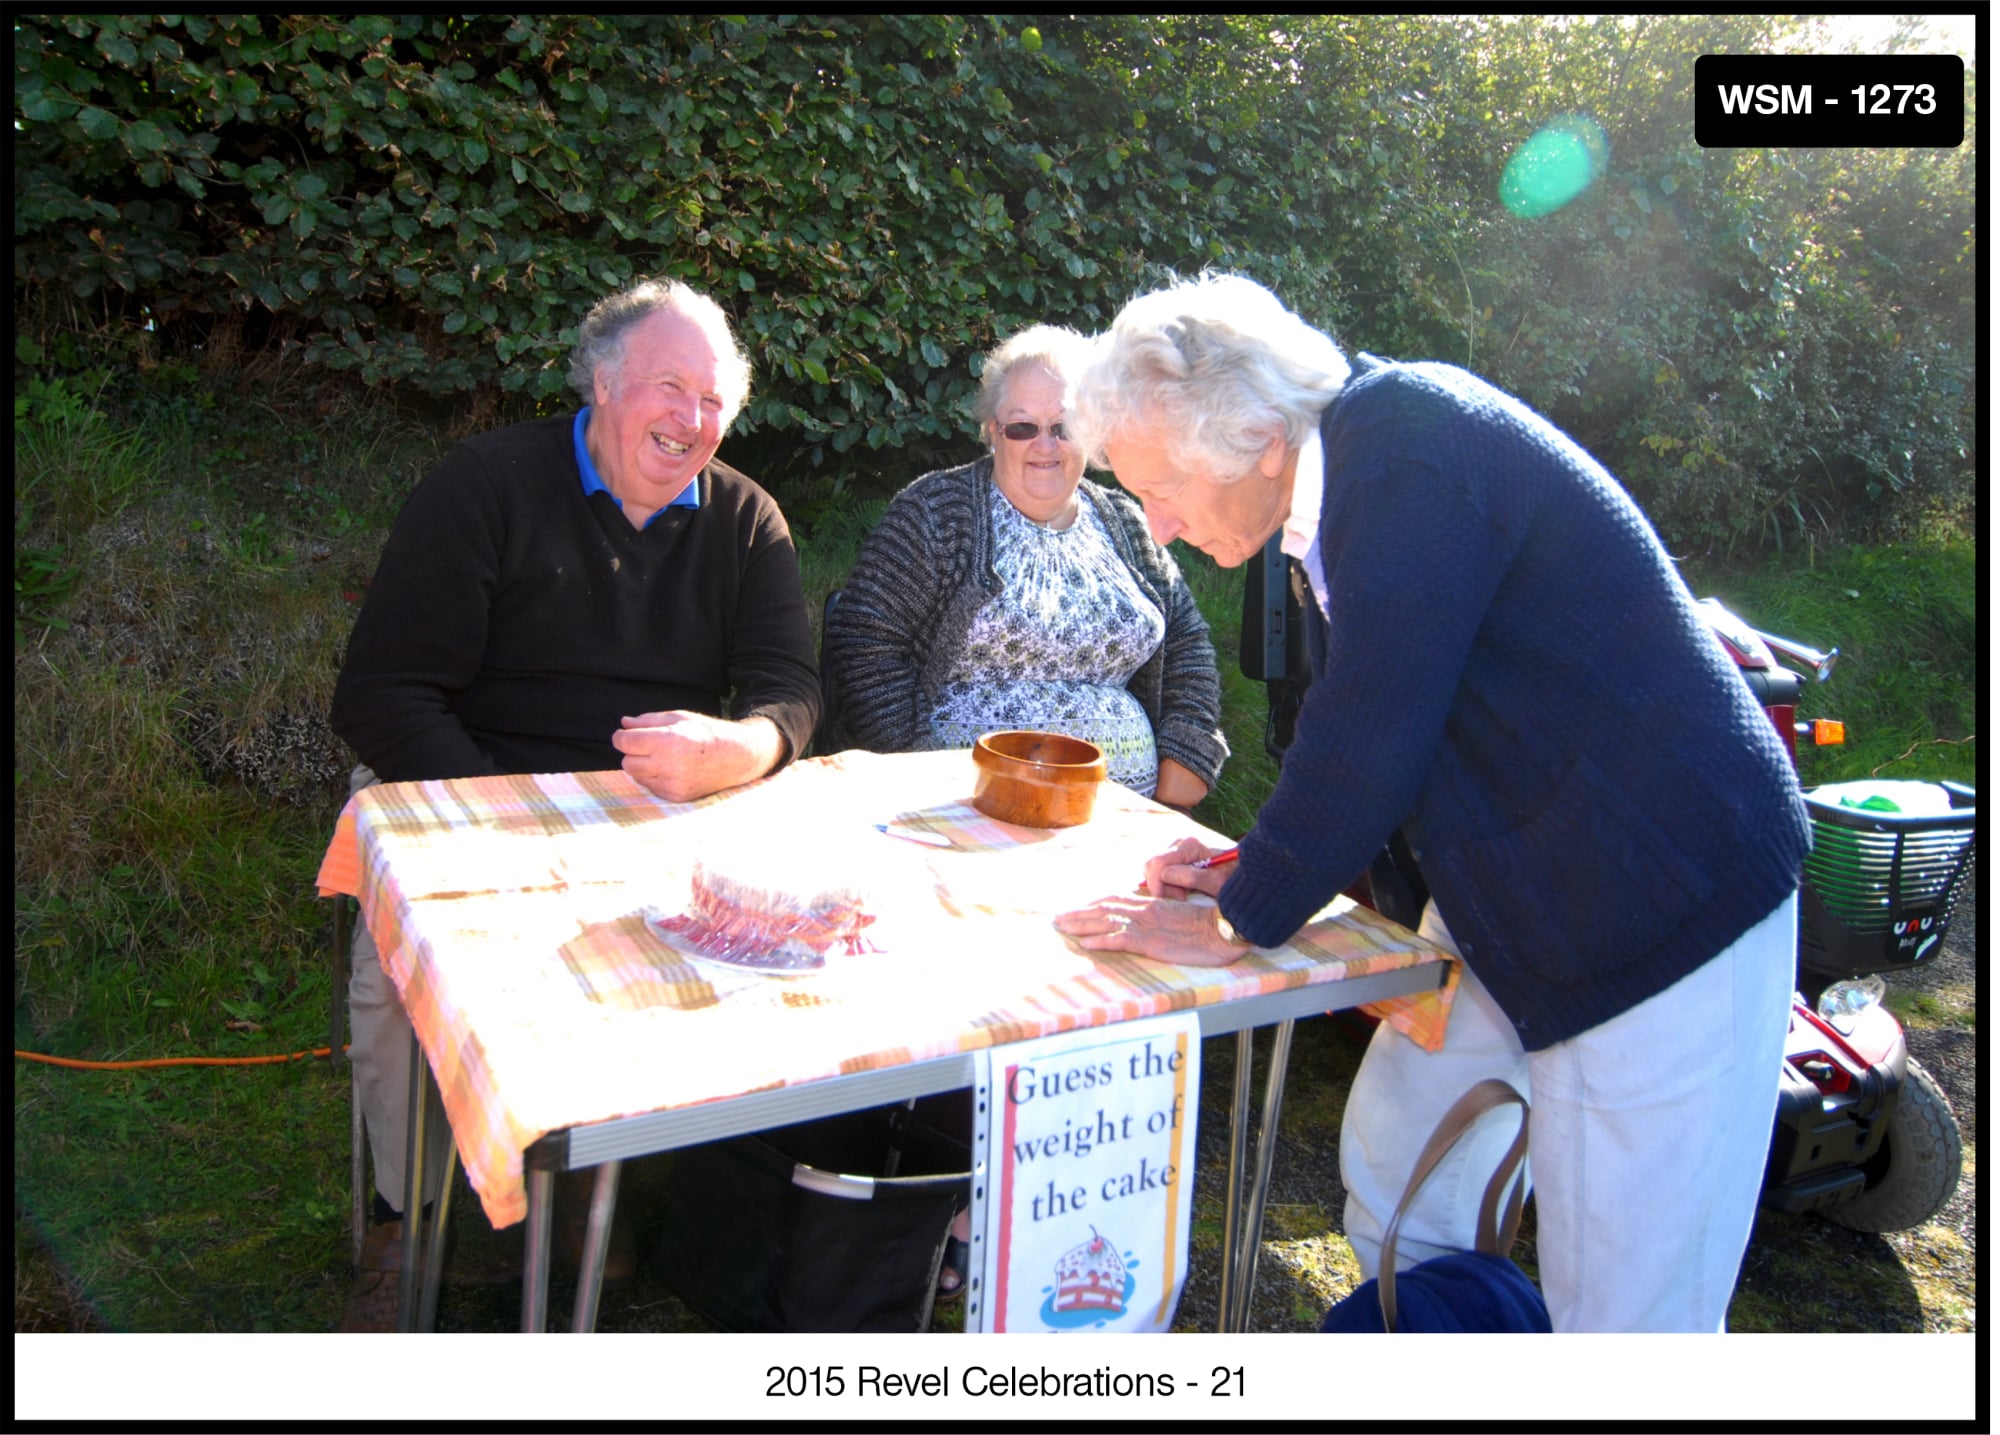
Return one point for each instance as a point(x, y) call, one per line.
point(1880, 885)
point(769, 1233)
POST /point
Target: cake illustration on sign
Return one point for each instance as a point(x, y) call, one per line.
point(1091, 1277)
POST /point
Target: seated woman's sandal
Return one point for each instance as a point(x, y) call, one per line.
point(952, 1274)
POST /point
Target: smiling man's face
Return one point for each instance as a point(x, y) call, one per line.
point(656, 418)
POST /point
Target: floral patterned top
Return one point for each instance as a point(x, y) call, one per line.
point(1055, 650)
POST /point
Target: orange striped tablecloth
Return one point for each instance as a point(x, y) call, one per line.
point(511, 912)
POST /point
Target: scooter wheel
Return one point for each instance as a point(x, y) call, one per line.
point(1917, 1169)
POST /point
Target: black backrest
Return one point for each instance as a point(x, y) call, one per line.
point(826, 736)
point(1272, 645)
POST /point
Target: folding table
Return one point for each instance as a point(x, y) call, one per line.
point(567, 1026)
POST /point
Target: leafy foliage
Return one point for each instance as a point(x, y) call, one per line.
point(1766, 346)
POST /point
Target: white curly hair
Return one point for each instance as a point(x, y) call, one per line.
point(1212, 367)
point(1063, 352)
point(601, 338)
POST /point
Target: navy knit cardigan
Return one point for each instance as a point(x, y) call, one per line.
point(1515, 674)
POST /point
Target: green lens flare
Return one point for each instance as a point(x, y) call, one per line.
point(1559, 163)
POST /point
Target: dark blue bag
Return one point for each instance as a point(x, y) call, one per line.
point(1477, 1290)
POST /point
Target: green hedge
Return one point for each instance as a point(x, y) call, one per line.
point(1763, 345)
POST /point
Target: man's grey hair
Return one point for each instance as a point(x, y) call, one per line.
point(1211, 368)
point(601, 339)
point(1063, 352)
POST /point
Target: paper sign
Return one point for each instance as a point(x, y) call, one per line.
point(1083, 1181)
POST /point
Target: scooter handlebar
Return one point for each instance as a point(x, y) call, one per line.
point(1795, 652)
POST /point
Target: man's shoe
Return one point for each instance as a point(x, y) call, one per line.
point(378, 1282)
point(621, 1255)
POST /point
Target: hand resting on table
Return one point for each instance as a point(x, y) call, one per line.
point(685, 756)
point(1162, 924)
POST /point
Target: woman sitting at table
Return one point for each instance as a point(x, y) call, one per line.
point(1006, 593)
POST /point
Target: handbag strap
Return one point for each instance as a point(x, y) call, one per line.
point(1495, 1233)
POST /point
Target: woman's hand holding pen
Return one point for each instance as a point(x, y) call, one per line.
point(1187, 867)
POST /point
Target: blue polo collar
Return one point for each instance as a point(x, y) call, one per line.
point(689, 497)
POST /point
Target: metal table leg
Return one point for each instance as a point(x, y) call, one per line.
point(1239, 1131)
point(535, 1276)
point(596, 1241)
point(413, 1188)
point(434, 1265)
point(1245, 1273)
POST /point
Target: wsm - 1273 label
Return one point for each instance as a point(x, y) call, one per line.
point(1828, 101)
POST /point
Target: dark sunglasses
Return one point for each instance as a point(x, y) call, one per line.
point(1025, 432)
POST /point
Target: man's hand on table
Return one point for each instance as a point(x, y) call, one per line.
point(684, 756)
point(1162, 924)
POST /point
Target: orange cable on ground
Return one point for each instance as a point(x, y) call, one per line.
point(172, 1060)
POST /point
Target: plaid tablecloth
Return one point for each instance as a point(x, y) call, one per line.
point(512, 914)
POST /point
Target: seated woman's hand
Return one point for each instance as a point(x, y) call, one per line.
point(1183, 933)
point(1177, 786)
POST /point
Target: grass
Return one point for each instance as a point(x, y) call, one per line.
point(189, 1199)
point(1906, 621)
point(172, 798)
point(1955, 1006)
point(1251, 772)
point(188, 556)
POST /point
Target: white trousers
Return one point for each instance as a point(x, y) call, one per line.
point(379, 1047)
point(1647, 1143)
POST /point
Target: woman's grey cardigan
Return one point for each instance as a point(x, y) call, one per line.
point(908, 604)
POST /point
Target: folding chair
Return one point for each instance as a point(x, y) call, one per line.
point(822, 739)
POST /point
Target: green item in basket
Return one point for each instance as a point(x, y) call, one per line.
point(1877, 803)
point(1903, 797)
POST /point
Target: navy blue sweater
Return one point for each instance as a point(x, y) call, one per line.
point(1515, 674)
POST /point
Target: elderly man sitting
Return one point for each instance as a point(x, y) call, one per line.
point(575, 593)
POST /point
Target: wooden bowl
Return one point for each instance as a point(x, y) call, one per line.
point(1037, 779)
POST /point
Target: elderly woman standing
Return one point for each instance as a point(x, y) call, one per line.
point(1493, 622)
point(1006, 593)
